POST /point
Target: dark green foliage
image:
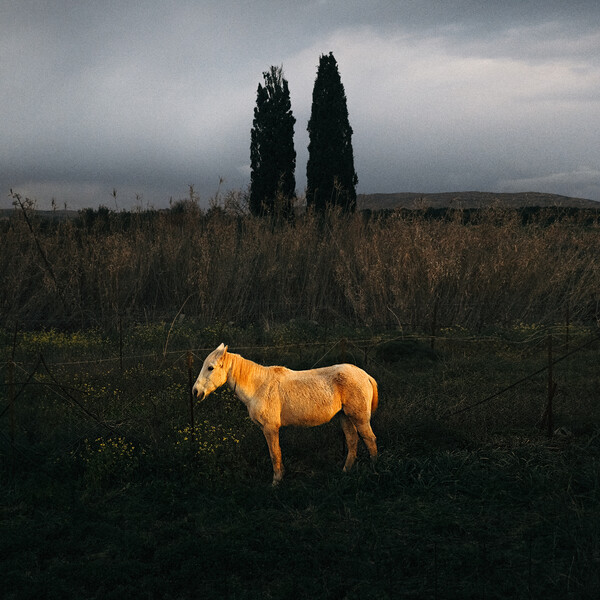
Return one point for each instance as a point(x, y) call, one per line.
point(396, 350)
point(331, 178)
point(272, 154)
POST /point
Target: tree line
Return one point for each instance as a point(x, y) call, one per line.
point(330, 174)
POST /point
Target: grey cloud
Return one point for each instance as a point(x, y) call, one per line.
point(583, 182)
point(150, 97)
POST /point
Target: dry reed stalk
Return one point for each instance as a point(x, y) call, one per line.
point(388, 270)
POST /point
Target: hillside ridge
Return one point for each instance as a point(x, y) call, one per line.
point(472, 199)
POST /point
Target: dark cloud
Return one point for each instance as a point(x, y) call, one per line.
point(150, 97)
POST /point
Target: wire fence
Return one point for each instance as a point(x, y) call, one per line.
point(28, 381)
point(44, 375)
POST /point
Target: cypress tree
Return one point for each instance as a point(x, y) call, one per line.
point(272, 154)
point(330, 174)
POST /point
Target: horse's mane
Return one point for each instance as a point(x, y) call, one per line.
point(244, 369)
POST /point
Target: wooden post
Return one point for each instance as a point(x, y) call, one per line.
point(567, 323)
point(434, 323)
point(551, 390)
point(11, 399)
point(343, 344)
point(121, 343)
point(435, 571)
point(529, 578)
point(190, 364)
point(14, 344)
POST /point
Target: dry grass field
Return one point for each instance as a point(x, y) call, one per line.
point(403, 269)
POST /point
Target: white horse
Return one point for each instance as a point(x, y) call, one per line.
point(276, 396)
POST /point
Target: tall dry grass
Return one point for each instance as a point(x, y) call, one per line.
point(399, 269)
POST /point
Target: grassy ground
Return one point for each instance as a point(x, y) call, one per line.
point(107, 493)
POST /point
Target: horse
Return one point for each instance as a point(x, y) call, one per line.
point(276, 396)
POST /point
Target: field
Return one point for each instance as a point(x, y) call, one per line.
point(114, 485)
point(476, 270)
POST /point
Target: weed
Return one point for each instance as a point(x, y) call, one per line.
point(109, 460)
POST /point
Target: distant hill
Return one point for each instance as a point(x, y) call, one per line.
point(412, 200)
point(59, 215)
point(469, 200)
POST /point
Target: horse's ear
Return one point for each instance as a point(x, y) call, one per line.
point(222, 348)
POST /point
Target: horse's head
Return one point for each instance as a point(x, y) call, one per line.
point(213, 374)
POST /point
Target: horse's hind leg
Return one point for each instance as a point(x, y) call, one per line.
point(366, 433)
point(351, 441)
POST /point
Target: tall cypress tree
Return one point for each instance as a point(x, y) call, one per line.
point(272, 154)
point(330, 174)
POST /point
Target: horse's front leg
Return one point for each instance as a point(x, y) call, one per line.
point(272, 436)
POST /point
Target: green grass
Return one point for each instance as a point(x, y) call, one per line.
point(481, 505)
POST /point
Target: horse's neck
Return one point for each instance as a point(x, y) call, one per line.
point(245, 376)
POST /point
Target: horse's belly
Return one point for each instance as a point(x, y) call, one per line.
point(308, 414)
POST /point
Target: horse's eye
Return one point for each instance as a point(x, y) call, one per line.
point(210, 368)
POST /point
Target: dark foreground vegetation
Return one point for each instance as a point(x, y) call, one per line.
point(111, 488)
point(108, 492)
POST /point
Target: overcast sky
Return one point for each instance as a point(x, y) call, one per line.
point(148, 97)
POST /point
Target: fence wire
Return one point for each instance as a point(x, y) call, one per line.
point(73, 397)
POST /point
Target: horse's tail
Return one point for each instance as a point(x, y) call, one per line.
point(375, 399)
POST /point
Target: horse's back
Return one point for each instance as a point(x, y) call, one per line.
point(314, 396)
point(338, 377)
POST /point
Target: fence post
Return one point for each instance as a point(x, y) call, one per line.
point(435, 571)
point(567, 323)
point(343, 353)
point(190, 364)
point(11, 404)
point(434, 323)
point(551, 390)
point(121, 343)
point(11, 396)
